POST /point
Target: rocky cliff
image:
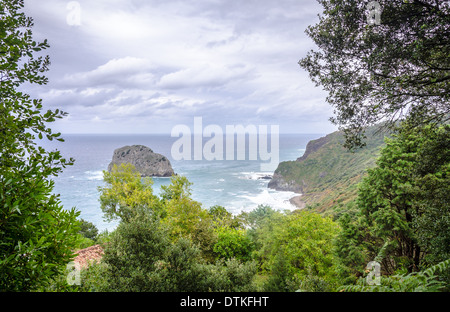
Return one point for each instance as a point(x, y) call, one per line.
point(327, 174)
point(147, 162)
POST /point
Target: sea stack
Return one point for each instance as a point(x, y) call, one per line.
point(148, 163)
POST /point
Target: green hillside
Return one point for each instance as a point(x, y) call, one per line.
point(327, 174)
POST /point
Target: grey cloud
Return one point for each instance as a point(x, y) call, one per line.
point(125, 72)
point(161, 61)
point(208, 75)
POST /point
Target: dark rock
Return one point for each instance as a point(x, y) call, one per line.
point(280, 184)
point(148, 163)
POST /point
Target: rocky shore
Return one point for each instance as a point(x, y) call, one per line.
point(297, 202)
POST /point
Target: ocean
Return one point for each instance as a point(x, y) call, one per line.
point(236, 185)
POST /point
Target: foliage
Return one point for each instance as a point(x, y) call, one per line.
point(222, 218)
point(258, 217)
point(281, 275)
point(296, 247)
point(231, 275)
point(83, 242)
point(423, 281)
point(259, 223)
point(133, 253)
point(104, 237)
point(36, 234)
point(403, 204)
point(327, 174)
point(186, 217)
point(387, 71)
point(172, 251)
point(88, 229)
point(431, 218)
point(233, 243)
point(125, 191)
point(142, 257)
point(349, 248)
point(179, 188)
point(88, 234)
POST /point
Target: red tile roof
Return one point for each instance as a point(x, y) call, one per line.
point(88, 255)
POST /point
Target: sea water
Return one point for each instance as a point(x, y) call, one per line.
point(237, 185)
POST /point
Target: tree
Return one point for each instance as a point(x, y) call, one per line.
point(297, 251)
point(179, 188)
point(126, 192)
point(431, 219)
point(132, 257)
point(258, 217)
point(233, 243)
point(388, 71)
point(37, 235)
point(88, 230)
point(403, 203)
point(141, 256)
point(281, 273)
point(222, 218)
point(186, 217)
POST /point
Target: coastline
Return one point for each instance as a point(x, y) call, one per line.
point(297, 202)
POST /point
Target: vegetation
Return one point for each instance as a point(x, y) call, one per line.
point(125, 191)
point(37, 235)
point(170, 245)
point(428, 280)
point(297, 252)
point(176, 245)
point(393, 69)
point(268, 250)
point(403, 205)
point(387, 203)
point(328, 174)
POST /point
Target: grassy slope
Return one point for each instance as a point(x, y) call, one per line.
point(328, 174)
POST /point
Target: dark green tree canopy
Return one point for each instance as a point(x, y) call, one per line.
point(389, 71)
point(404, 216)
point(21, 117)
point(37, 236)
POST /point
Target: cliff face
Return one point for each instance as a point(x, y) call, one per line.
point(148, 163)
point(327, 174)
point(282, 181)
point(313, 146)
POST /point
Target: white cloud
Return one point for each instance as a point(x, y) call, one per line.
point(155, 62)
point(114, 72)
point(207, 75)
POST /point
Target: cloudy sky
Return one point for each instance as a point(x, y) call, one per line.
point(145, 66)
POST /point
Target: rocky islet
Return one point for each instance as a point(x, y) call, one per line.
point(146, 162)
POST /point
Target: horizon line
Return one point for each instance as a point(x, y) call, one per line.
point(169, 134)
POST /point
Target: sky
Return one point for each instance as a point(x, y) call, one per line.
point(146, 66)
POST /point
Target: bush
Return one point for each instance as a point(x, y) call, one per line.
point(296, 247)
point(233, 243)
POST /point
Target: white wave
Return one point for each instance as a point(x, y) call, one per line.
point(255, 175)
point(94, 175)
point(275, 199)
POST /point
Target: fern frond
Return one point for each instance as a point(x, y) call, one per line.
point(440, 267)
